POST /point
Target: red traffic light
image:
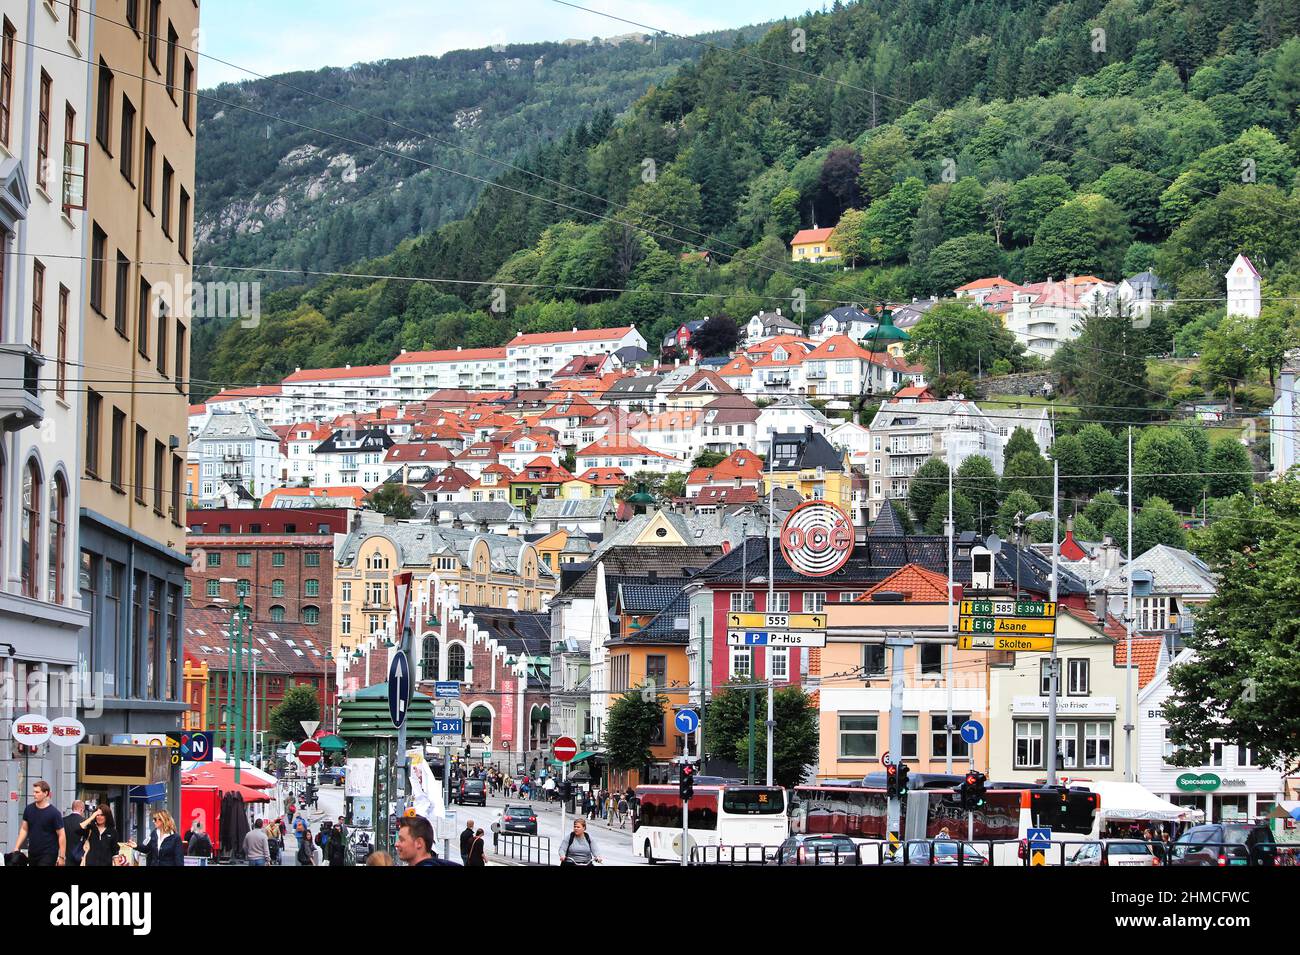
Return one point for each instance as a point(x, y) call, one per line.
point(970, 779)
point(891, 770)
point(688, 770)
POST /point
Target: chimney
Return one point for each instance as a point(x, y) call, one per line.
point(575, 328)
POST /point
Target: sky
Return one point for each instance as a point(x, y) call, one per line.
point(309, 34)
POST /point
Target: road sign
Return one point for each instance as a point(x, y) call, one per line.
point(1040, 840)
point(448, 723)
point(196, 746)
point(402, 599)
point(1006, 625)
point(816, 539)
point(991, 642)
point(399, 688)
point(777, 621)
point(487, 754)
point(309, 727)
point(972, 731)
point(446, 690)
point(564, 749)
point(687, 721)
point(1006, 607)
point(776, 638)
point(309, 752)
point(886, 759)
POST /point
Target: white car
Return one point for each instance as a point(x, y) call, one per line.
point(1119, 852)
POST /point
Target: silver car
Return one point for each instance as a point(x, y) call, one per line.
point(1120, 852)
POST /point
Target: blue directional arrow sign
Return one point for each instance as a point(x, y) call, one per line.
point(687, 721)
point(972, 731)
point(399, 688)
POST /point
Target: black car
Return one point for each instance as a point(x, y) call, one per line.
point(472, 791)
point(1224, 844)
point(519, 819)
point(819, 849)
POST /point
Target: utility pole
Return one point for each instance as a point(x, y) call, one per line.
point(1128, 624)
point(771, 597)
point(1054, 663)
point(949, 653)
point(749, 775)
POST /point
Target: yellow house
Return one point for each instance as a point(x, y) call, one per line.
point(806, 462)
point(550, 547)
point(854, 709)
point(812, 245)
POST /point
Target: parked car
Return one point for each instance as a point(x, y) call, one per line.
point(818, 849)
point(1224, 844)
point(472, 791)
point(1120, 852)
point(940, 852)
point(334, 774)
point(519, 819)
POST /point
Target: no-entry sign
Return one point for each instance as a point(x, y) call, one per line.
point(309, 752)
point(564, 749)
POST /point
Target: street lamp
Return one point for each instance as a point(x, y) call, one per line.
point(237, 647)
point(325, 690)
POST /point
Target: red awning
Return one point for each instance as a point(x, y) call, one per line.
point(222, 776)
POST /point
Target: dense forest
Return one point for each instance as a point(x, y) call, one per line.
point(947, 138)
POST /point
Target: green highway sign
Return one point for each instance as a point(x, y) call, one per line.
point(1007, 607)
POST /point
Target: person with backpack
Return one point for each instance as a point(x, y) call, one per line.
point(476, 849)
point(336, 850)
point(579, 848)
point(198, 844)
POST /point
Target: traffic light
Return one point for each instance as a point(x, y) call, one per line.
point(903, 772)
point(686, 782)
point(891, 780)
point(977, 790)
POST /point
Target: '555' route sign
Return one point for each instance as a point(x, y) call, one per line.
point(817, 539)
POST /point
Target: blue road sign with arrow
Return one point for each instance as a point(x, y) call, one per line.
point(399, 688)
point(972, 731)
point(687, 721)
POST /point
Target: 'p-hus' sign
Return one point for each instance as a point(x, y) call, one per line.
point(817, 538)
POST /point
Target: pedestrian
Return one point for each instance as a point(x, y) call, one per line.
point(415, 842)
point(72, 834)
point(199, 844)
point(336, 849)
point(496, 834)
point(466, 840)
point(379, 858)
point(257, 846)
point(623, 809)
point(476, 849)
point(305, 854)
point(579, 849)
point(42, 829)
point(164, 845)
point(99, 838)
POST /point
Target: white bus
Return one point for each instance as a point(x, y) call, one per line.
point(726, 815)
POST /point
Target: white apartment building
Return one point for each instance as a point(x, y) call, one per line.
point(325, 393)
point(44, 105)
point(266, 401)
point(789, 415)
point(359, 458)
point(237, 449)
point(534, 359)
point(625, 452)
point(1044, 315)
point(300, 447)
point(839, 366)
point(418, 374)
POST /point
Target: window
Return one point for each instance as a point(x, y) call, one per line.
point(167, 176)
point(118, 449)
point(780, 602)
point(429, 658)
point(656, 670)
point(244, 559)
point(189, 588)
point(133, 14)
point(312, 558)
point(1153, 613)
point(312, 588)
point(910, 735)
point(1096, 745)
point(311, 615)
point(94, 411)
point(7, 80)
point(140, 438)
point(38, 303)
point(347, 591)
point(98, 256)
point(480, 722)
point(74, 14)
point(121, 293)
point(176, 489)
point(104, 108)
point(1029, 745)
point(277, 614)
point(931, 659)
point(187, 92)
point(160, 354)
point(126, 154)
point(178, 367)
point(778, 663)
point(1067, 745)
point(1078, 677)
point(1245, 757)
point(43, 133)
point(146, 174)
point(61, 346)
point(214, 558)
point(814, 601)
point(155, 8)
point(214, 588)
point(742, 601)
point(277, 558)
point(1045, 676)
point(941, 738)
point(873, 660)
point(31, 532)
point(171, 60)
point(742, 662)
point(159, 468)
point(456, 661)
point(183, 225)
point(858, 735)
point(849, 596)
point(243, 587)
point(345, 624)
point(277, 588)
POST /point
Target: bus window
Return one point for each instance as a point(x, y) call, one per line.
point(704, 816)
point(1071, 811)
point(753, 801)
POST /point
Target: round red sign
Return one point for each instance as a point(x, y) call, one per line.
point(817, 539)
point(564, 749)
point(309, 752)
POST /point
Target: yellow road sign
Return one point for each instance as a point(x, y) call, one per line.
point(984, 641)
point(776, 621)
point(1005, 625)
point(1007, 607)
point(1038, 857)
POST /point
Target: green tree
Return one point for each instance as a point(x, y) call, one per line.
point(393, 500)
point(1102, 508)
point(1022, 439)
point(634, 719)
point(1137, 193)
point(299, 704)
point(904, 518)
point(1105, 367)
point(1226, 357)
point(1016, 502)
point(1228, 466)
point(883, 155)
point(708, 459)
point(976, 479)
point(784, 217)
point(1032, 473)
point(795, 745)
point(1274, 334)
point(964, 337)
point(959, 260)
point(1243, 682)
point(1086, 236)
point(1164, 465)
point(1156, 523)
point(1105, 456)
point(888, 222)
point(1030, 200)
point(963, 514)
point(850, 236)
point(1073, 464)
point(929, 481)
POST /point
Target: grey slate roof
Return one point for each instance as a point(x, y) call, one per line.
point(637, 597)
point(418, 543)
point(236, 425)
point(592, 508)
point(886, 524)
point(1173, 571)
point(670, 625)
point(811, 450)
point(665, 562)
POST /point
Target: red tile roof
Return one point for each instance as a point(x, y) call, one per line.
point(604, 477)
point(811, 235)
point(991, 282)
point(581, 335)
point(329, 374)
point(917, 585)
point(727, 495)
point(745, 465)
point(357, 494)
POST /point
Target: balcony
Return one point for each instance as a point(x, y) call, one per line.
point(814, 373)
point(20, 404)
point(232, 458)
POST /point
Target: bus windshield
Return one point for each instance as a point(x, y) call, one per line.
point(753, 801)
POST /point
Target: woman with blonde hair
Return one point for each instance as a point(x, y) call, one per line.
point(379, 858)
point(164, 845)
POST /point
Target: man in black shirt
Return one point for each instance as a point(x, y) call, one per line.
point(72, 831)
point(42, 829)
point(414, 837)
point(466, 840)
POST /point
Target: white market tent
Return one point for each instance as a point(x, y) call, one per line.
point(1124, 801)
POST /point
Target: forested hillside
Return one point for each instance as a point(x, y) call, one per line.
point(948, 138)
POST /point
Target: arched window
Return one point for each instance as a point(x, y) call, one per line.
point(429, 658)
point(31, 533)
point(480, 722)
point(58, 537)
point(311, 615)
point(277, 614)
point(455, 661)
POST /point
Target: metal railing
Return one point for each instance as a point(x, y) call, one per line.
point(528, 849)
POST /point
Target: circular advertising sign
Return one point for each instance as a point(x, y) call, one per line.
point(817, 538)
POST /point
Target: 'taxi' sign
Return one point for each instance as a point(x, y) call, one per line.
point(817, 539)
